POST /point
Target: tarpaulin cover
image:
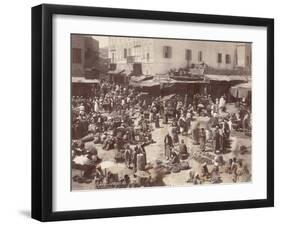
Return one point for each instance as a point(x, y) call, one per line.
point(168, 97)
point(118, 72)
point(227, 78)
point(148, 81)
point(84, 80)
point(241, 90)
point(140, 78)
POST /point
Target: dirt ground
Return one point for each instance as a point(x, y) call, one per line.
point(155, 152)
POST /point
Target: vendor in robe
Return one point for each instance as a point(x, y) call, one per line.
point(205, 171)
point(197, 179)
point(157, 123)
point(91, 164)
point(126, 137)
point(175, 156)
point(166, 115)
point(181, 123)
point(222, 104)
point(183, 150)
point(128, 155)
point(168, 143)
point(142, 151)
point(216, 140)
point(195, 135)
point(134, 158)
point(109, 143)
point(222, 140)
point(188, 121)
point(202, 139)
point(175, 135)
point(215, 174)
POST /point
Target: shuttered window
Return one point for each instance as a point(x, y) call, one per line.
point(200, 56)
point(219, 59)
point(125, 53)
point(188, 54)
point(227, 59)
point(167, 51)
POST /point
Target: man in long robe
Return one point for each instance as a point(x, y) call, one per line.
point(168, 143)
point(195, 135)
point(128, 156)
point(183, 150)
point(216, 140)
point(202, 139)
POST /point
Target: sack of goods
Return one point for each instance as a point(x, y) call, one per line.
point(88, 137)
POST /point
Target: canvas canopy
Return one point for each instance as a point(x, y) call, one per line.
point(241, 90)
point(227, 78)
point(84, 80)
point(168, 97)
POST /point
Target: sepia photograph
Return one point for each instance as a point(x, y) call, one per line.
point(140, 112)
point(152, 111)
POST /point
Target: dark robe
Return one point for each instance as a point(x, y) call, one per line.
point(202, 140)
point(183, 148)
point(216, 141)
point(157, 124)
point(168, 141)
point(195, 135)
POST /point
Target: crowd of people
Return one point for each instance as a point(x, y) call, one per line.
point(122, 118)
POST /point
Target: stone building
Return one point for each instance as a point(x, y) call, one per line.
point(85, 54)
point(157, 56)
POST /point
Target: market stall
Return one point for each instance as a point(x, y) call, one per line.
point(82, 86)
point(241, 90)
point(220, 84)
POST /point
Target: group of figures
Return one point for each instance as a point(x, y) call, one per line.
point(122, 119)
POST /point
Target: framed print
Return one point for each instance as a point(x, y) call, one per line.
point(146, 112)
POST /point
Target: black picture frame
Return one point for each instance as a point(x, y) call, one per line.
point(42, 107)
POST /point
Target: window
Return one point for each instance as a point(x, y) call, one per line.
point(167, 51)
point(76, 56)
point(200, 56)
point(188, 54)
point(112, 57)
point(125, 53)
point(147, 56)
point(219, 58)
point(137, 68)
point(227, 59)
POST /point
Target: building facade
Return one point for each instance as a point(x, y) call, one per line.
point(85, 54)
point(158, 56)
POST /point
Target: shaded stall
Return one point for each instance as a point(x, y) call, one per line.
point(146, 84)
point(135, 80)
point(82, 86)
point(241, 90)
point(190, 87)
point(168, 97)
point(118, 76)
point(220, 84)
point(150, 86)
